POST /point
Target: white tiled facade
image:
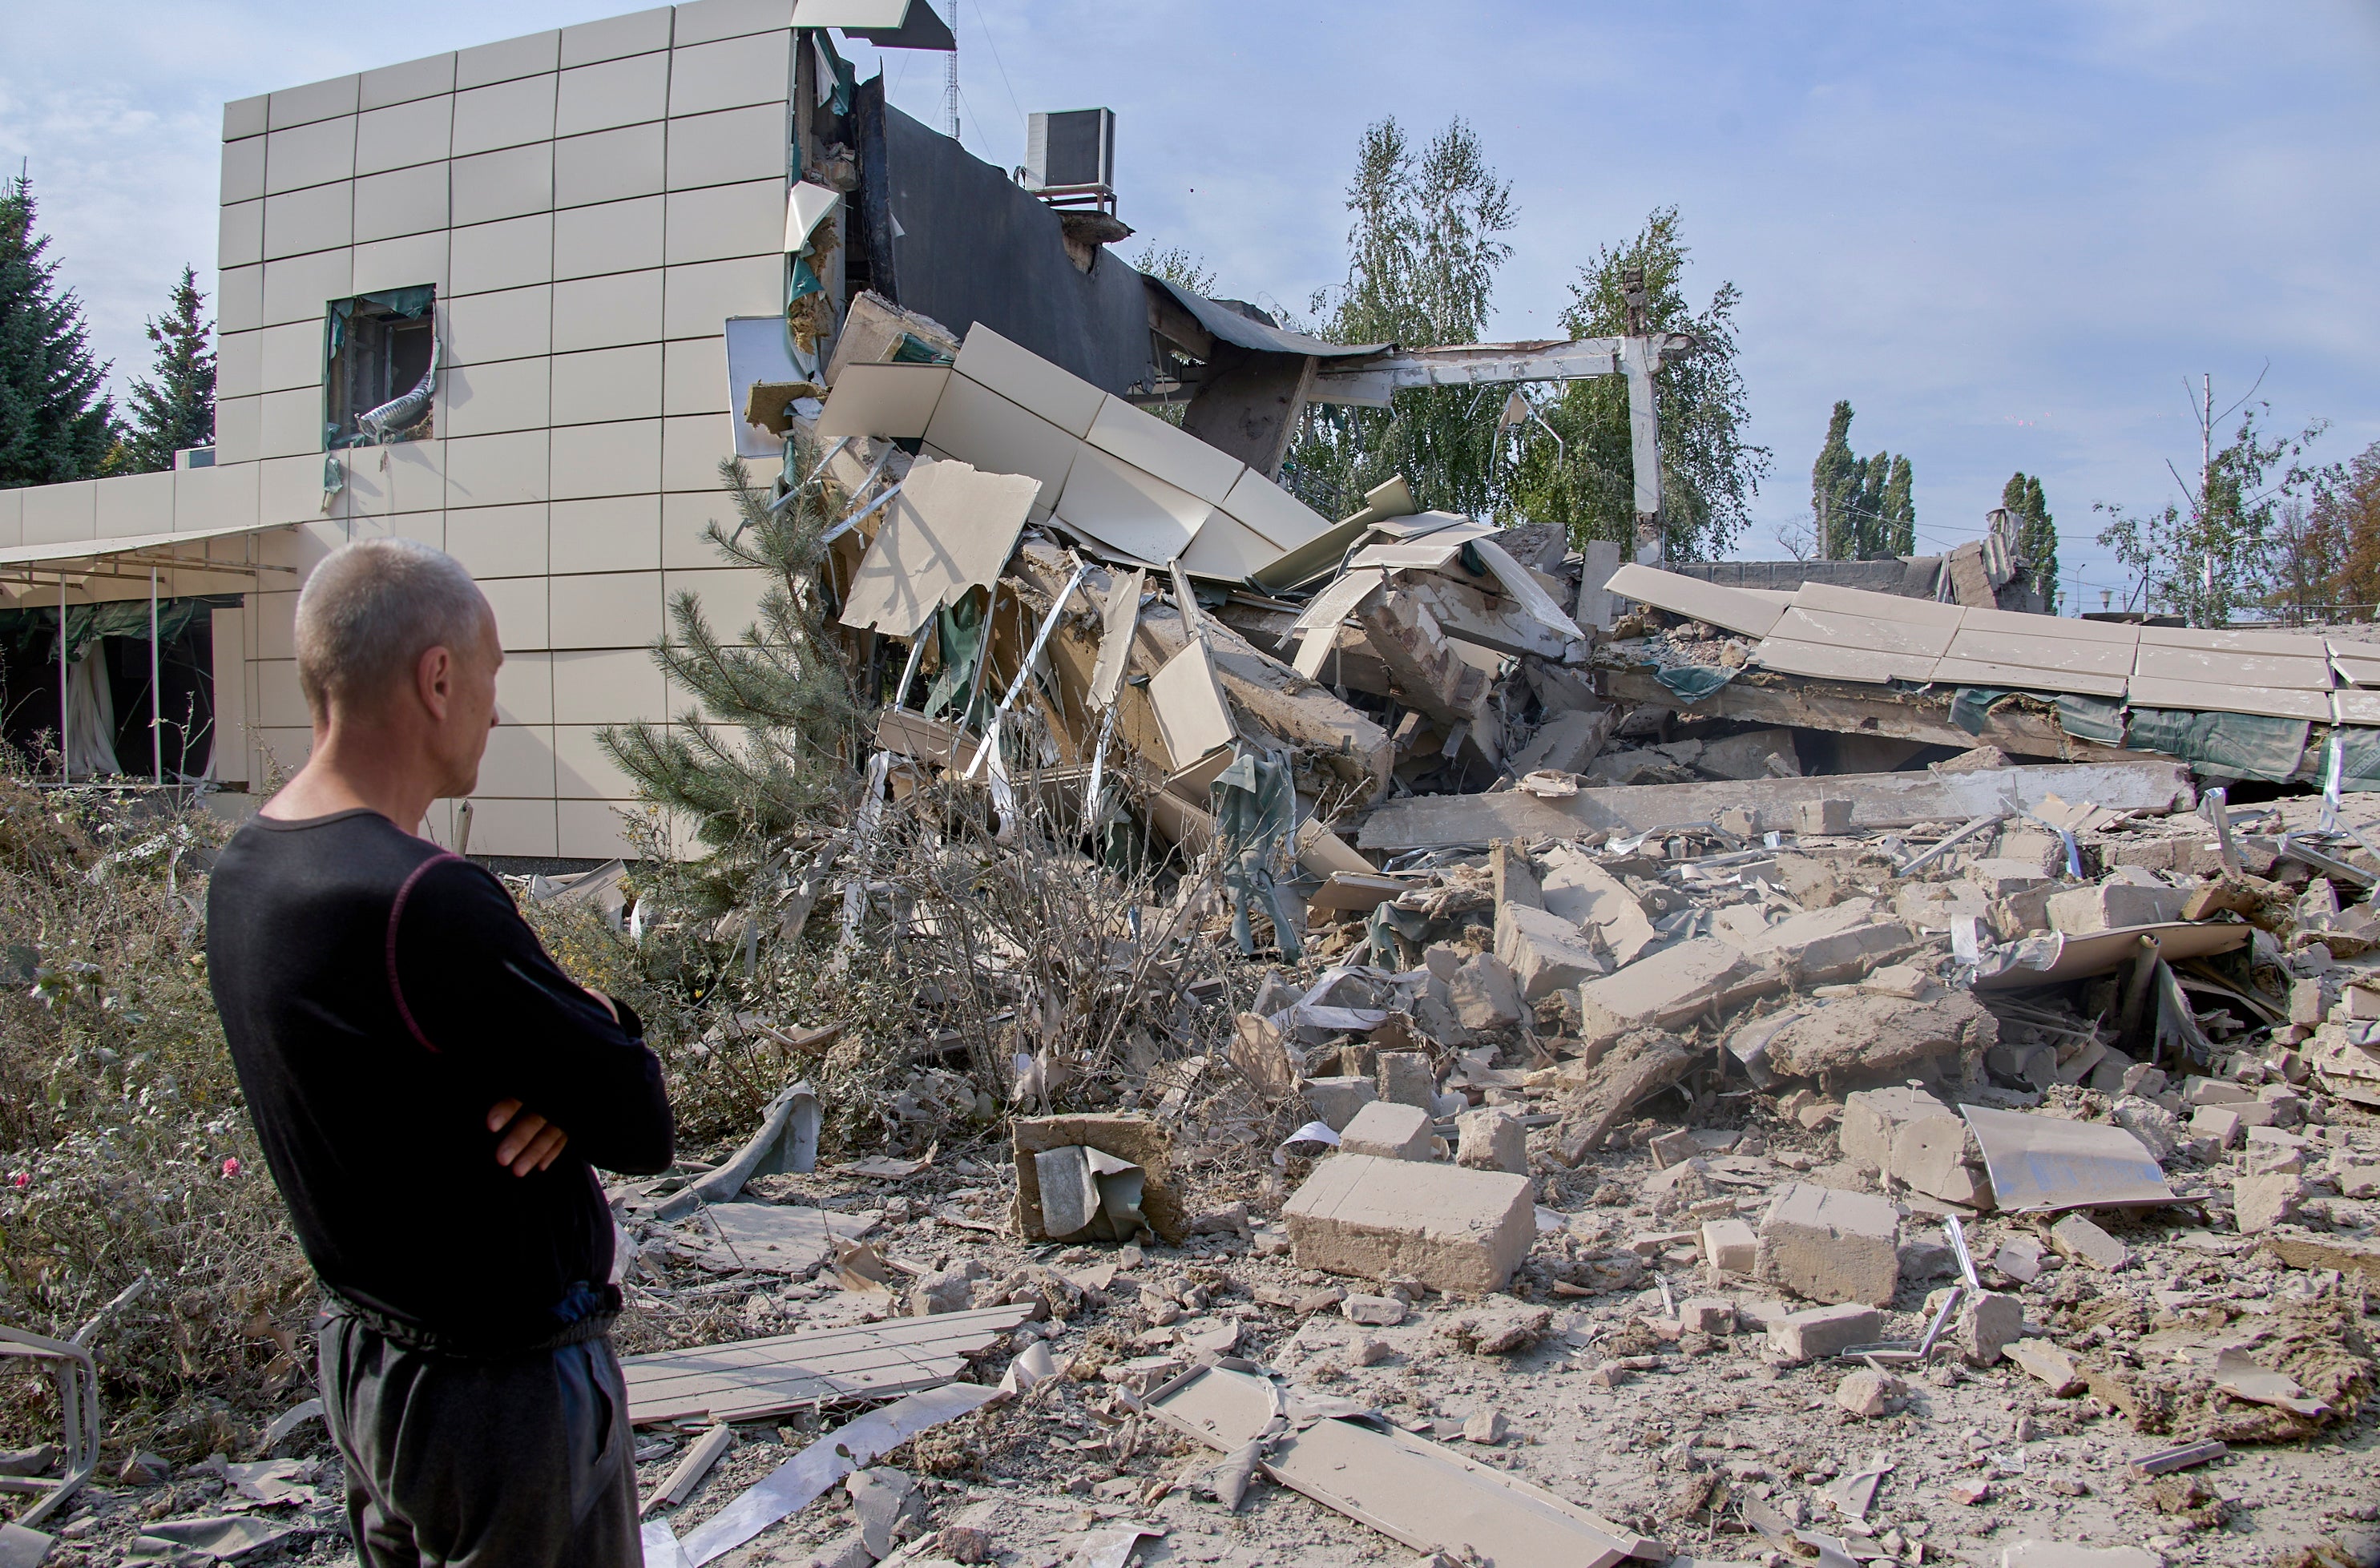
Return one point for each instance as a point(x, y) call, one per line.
point(591, 203)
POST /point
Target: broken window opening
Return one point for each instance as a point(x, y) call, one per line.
point(380, 368)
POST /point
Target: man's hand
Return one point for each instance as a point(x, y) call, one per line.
point(529, 1141)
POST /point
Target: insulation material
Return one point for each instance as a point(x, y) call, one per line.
point(951, 528)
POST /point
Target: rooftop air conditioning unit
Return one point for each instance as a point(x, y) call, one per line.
point(1070, 157)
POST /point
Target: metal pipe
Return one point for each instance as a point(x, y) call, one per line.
point(156, 722)
point(65, 768)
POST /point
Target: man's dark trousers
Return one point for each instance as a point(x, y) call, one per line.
point(518, 1461)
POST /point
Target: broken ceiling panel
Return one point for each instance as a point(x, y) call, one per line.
point(951, 527)
point(1952, 670)
point(1733, 608)
point(1173, 454)
point(977, 425)
point(2205, 697)
point(1821, 597)
point(1129, 509)
point(1273, 513)
point(1024, 378)
point(892, 401)
point(1226, 549)
point(2298, 673)
point(1192, 716)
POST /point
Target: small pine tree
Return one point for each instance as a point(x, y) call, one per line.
point(56, 422)
point(176, 407)
point(2036, 532)
point(769, 746)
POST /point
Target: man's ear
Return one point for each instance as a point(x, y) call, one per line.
point(434, 680)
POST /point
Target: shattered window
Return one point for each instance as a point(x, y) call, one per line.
point(380, 368)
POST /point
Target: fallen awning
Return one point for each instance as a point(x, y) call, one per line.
point(192, 550)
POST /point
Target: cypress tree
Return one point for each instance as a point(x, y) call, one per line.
point(2036, 532)
point(1834, 487)
point(1898, 519)
point(173, 407)
point(55, 421)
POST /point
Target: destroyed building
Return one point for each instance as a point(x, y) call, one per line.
point(1809, 1061)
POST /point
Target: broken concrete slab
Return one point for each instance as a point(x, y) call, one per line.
point(1823, 1331)
point(1640, 1063)
point(1565, 742)
point(2113, 905)
point(1878, 800)
point(1579, 890)
point(1388, 1131)
point(2078, 1237)
point(1875, 1035)
point(1337, 1101)
point(1821, 946)
point(1450, 1228)
point(2261, 1202)
point(1824, 1244)
point(1485, 995)
point(1544, 952)
point(2046, 1361)
point(1668, 988)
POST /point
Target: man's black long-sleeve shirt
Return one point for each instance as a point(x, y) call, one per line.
point(378, 996)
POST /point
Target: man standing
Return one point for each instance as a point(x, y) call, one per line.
point(432, 1092)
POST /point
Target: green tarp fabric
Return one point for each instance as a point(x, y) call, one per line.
point(1970, 705)
point(1256, 810)
point(2091, 718)
point(2360, 759)
point(1694, 682)
point(25, 630)
point(2242, 745)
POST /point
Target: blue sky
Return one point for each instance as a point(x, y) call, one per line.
point(2006, 233)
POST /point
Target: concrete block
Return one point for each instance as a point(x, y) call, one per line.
point(1388, 1131)
point(1672, 1147)
point(1450, 1228)
point(1824, 817)
point(2080, 1239)
point(1706, 1315)
point(1822, 945)
point(2258, 1203)
point(1872, 1118)
point(2058, 1554)
point(2221, 1122)
point(1662, 988)
point(2306, 1004)
point(1729, 1247)
point(1515, 879)
point(1337, 1101)
point(1823, 1331)
point(2112, 904)
point(2000, 876)
point(1867, 1393)
point(1408, 1078)
point(1827, 1244)
point(1987, 1325)
point(1485, 995)
point(1565, 742)
point(1937, 1156)
point(2203, 1091)
point(1544, 953)
point(1492, 1138)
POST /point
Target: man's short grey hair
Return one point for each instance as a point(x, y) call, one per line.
point(370, 611)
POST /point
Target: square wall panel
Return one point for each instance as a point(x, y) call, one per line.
point(611, 165)
point(606, 610)
point(693, 376)
point(730, 74)
point(401, 202)
point(291, 354)
point(134, 503)
point(240, 299)
point(510, 184)
point(730, 597)
point(312, 154)
point(407, 262)
point(218, 498)
point(239, 427)
point(524, 684)
point(519, 604)
point(700, 21)
point(685, 519)
point(607, 313)
point(497, 471)
point(618, 237)
point(583, 769)
point(12, 517)
point(614, 36)
point(592, 830)
point(518, 763)
point(510, 324)
point(365, 497)
point(697, 300)
point(498, 542)
point(292, 422)
point(243, 170)
point(289, 490)
point(525, 56)
point(417, 473)
point(485, 399)
point(724, 220)
point(281, 701)
point(276, 625)
point(617, 93)
point(976, 425)
point(315, 100)
point(1024, 378)
point(301, 288)
point(404, 135)
point(505, 116)
point(317, 218)
point(614, 460)
point(425, 77)
point(239, 365)
point(693, 445)
point(611, 533)
point(239, 234)
point(730, 146)
point(607, 384)
point(511, 254)
point(245, 118)
point(611, 687)
point(514, 827)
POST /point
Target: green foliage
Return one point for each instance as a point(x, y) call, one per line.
point(770, 741)
point(1424, 251)
point(1709, 473)
point(2214, 553)
point(1176, 266)
point(2036, 536)
point(174, 407)
point(56, 422)
point(1860, 508)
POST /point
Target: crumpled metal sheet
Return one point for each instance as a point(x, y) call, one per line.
point(2042, 1164)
